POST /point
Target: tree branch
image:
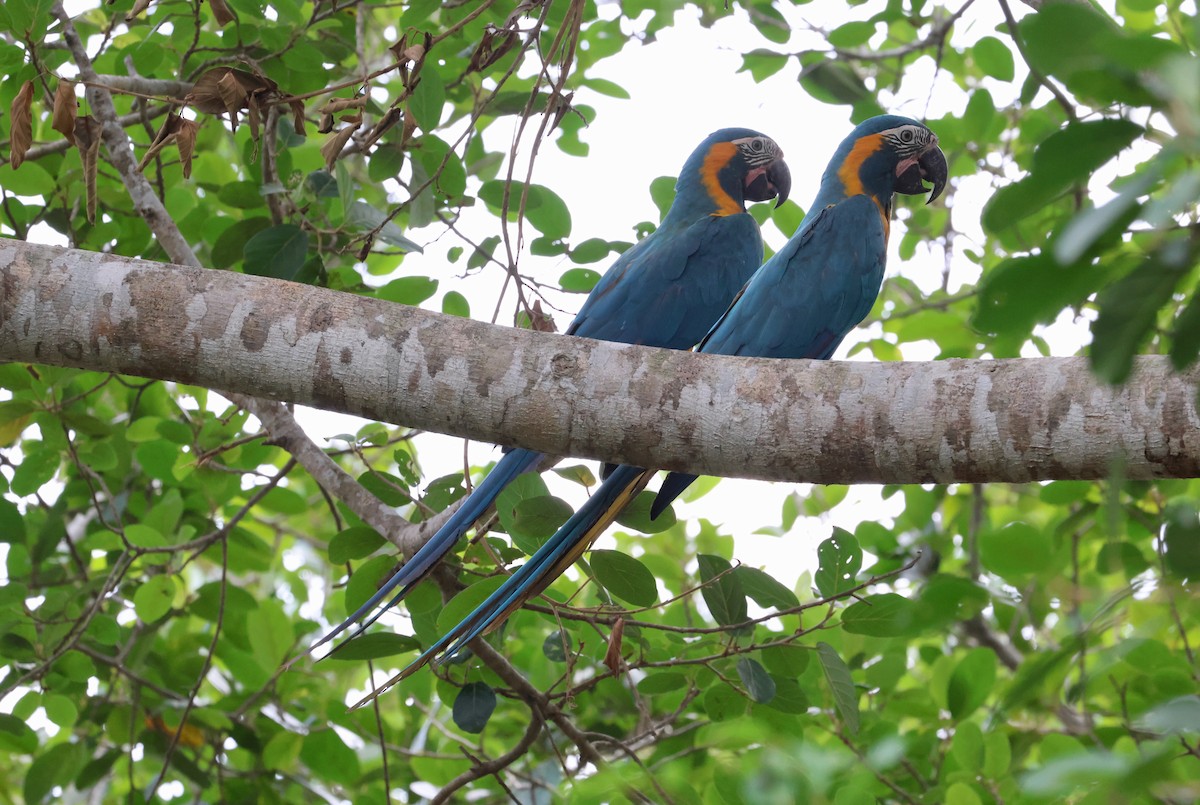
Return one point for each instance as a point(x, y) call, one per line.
point(825, 422)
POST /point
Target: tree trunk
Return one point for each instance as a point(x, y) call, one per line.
point(826, 422)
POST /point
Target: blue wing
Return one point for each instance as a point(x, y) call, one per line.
point(804, 300)
point(668, 289)
point(664, 291)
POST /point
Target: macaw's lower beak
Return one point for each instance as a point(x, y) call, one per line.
point(768, 182)
point(911, 174)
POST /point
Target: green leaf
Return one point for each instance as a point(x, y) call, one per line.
point(408, 290)
point(851, 34)
point(836, 82)
point(624, 577)
point(994, 58)
point(534, 520)
point(356, 542)
point(242, 195)
point(659, 682)
point(1129, 310)
point(971, 682)
point(579, 280)
point(455, 304)
point(722, 703)
point(577, 473)
point(884, 615)
point(154, 598)
point(764, 590)
point(463, 604)
point(839, 559)
point(758, 682)
point(428, 98)
point(282, 751)
point(724, 597)
point(278, 252)
point(362, 217)
point(637, 515)
point(272, 634)
point(1065, 158)
point(605, 87)
point(1180, 716)
point(58, 765)
point(326, 754)
point(527, 485)
point(591, 250)
point(16, 736)
point(1182, 537)
point(1015, 551)
point(473, 707)
point(555, 646)
point(837, 675)
point(374, 646)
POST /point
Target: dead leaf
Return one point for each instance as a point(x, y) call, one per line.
point(540, 320)
point(334, 145)
point(297, 117)
point(233, 96)
point(66, 107)
point(20, 124)
point(388, 120)
point(491, 48)
point(138, 8)
point(221, 12)
point(87, 139)
point(612, 656)
point(335, 105)
point(185, 141)
point(165, 136)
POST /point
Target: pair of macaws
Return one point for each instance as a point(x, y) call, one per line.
point(668, 289)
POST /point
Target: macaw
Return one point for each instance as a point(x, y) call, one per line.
point(800, 304)
point(665, 291)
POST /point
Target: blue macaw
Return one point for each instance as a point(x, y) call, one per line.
point(800, 304)
point(665, 291)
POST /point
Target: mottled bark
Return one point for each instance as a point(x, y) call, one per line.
point(832, 422)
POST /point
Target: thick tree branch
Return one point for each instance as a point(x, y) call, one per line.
point(831, 422)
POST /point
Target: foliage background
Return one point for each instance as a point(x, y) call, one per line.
point(163, 557)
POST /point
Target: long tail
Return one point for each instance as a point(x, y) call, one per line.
point(550, 561)
point(512, 464)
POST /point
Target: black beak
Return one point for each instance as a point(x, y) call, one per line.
point(774, 181)
point(929, 167)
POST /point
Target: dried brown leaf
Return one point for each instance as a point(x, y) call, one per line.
point(233, 96)
point(334, 145)
point(206, 95)
point(298, 116)
point(185, 141)
point(540, 320)
point(390, 118)
point(165, 136)
point(87, 138)
point(326, 124)
point(65, 110)
point(491, 48)
point(612, 657)
point(335, 105)
point(20, 124)
point(138, 8)
point(221, 12)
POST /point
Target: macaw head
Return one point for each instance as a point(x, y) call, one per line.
point(886, 155)
point(731, 167)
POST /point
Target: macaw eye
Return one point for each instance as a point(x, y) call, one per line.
point(906, 135)
point(757, 146)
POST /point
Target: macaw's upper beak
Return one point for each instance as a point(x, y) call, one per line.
point(911, 174)
point(768, 182)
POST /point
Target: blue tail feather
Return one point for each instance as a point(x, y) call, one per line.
point(512, 464)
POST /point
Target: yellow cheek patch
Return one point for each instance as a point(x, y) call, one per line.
point(862, 150)
point(718, 157)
